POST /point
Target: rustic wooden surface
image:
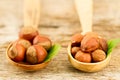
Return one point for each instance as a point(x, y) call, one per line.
point(59, 22)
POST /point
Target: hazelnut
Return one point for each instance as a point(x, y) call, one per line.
point(89, 43)
point(83, 57)
point(93, 34)
point(43, 41)
point(74, 50)
point(17, 52)
point(98, 55)
point(35, 54)
point(103, 44)
point(24, 43)
point(28, 33)
point(77, 38)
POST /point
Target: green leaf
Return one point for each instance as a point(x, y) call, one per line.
point(53, 51)
point(112, 44)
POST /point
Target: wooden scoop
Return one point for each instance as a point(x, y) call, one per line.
point(31, 21)
point(87, 67)
point(31, 13)
point(85, 12)
point(23, 65)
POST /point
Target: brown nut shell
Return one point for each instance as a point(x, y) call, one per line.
point(83, 57)
point(36, 54)
point(28, 33)
point(17, 52)
point(77, 38)
point(41, 53)
point(103, 44)
point(74, 50)
point(24, 43)
point(43, 41)
point(89, 43)
point(98, 55)
point(92, 34)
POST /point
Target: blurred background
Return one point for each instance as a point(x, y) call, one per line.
point(61, 13)
point(56, 13)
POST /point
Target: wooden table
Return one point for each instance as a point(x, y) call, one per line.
point(59, 26)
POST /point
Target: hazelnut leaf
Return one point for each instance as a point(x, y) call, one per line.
point(112, 44)
point(53, 51)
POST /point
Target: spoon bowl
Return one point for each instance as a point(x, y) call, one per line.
point(87, 67)
point(25, 66)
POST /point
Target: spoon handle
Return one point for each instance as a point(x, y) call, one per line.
point(31, 13)
point(85, 13)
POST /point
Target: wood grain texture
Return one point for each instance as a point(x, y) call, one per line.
point(59, 21)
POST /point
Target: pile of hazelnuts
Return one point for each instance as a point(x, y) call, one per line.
point(31, 47)
point(89, 48)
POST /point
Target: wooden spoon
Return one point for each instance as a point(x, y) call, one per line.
point(31, 21)
point(87, 67)
point(31, 13)
point(23, 65)
point(85, 11)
